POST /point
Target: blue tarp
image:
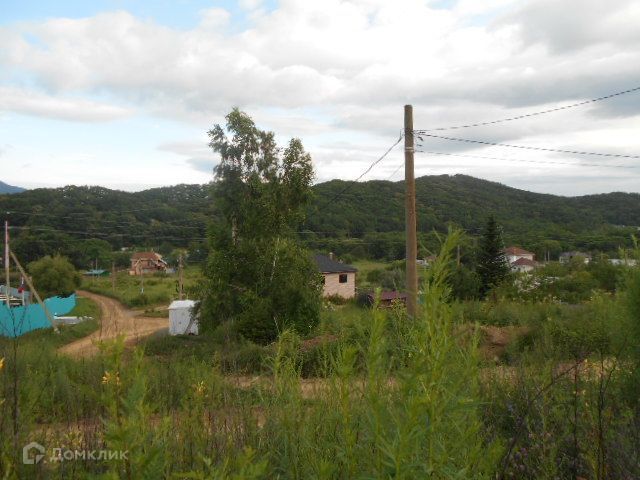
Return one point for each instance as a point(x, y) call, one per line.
point(20, 320)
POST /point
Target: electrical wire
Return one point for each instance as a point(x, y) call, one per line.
point(369, 168)
point(525, 147)
point(533, 114)
point(526, 161)
point(103, 234)
point(395, 171)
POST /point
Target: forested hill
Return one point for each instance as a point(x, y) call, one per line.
point(465, 201)
point(539, 222)
point(344, 211)
point(6, 188)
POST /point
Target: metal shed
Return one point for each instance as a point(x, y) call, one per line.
point(181, 320)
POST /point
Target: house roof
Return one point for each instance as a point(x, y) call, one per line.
point(180, 304)
point(521, 262)
point(517, 251)
point(326, 265)
point(146, 256)
point(95, 272)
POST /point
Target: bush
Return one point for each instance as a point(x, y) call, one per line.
point(140, 300)
point(54, 276)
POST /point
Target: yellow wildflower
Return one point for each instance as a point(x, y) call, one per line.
point(111, 378)
point(199, 388)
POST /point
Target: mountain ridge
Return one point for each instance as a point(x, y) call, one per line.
point(341, 214)
point(5, 188)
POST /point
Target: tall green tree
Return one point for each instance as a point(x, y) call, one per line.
point(54, 276)
point(492, 265)
point(258, 275)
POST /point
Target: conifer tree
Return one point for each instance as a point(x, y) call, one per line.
point(492, 263)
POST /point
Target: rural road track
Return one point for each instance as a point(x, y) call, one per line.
point(116, 320)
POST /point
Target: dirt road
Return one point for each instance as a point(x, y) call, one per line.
point(116, 320)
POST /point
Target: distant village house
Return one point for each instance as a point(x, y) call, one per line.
point(147, 262)
point(338, 279)
point(387, 299)
point(520, 260)
point(627, 262)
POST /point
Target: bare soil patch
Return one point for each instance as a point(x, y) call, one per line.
point(116, 320)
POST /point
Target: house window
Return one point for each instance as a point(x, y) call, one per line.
point(343, 278)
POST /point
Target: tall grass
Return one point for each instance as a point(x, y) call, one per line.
point(388, 396)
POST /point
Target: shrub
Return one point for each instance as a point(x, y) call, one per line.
point(54, 276)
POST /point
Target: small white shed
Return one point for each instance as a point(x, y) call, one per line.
point(180, 318)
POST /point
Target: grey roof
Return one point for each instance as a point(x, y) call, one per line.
point(326, 265)
point(95, 272)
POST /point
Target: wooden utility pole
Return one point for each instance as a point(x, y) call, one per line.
point(34, 291)
point(180, 289)
point(6, 263)
point(410, 214)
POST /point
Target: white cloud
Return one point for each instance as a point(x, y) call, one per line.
point(195, 153)
point(31, 102)
point(327, 70)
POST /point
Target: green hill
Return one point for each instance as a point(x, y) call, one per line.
point(364, 219)
point(6, 188)
point(466, 201)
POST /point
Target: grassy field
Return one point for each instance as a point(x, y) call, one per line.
point(368, 394)
point(143, 292)
point(365, 266)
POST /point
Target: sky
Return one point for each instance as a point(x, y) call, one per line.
point(121, 93)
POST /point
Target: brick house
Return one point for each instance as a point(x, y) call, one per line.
point(338, 279)
point(147, 262)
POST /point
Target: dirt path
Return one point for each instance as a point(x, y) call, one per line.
point(116, 320)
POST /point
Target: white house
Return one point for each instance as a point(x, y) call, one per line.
point(627, 262)
point(181, 318)
point(338, 279)
point(523, 265)
point(520, 260)
point(513, 254)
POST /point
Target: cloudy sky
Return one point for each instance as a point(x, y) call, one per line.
point(121, 93)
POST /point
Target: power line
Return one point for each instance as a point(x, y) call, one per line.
point(104, 234)
point(525, 147)
point(96, 210)
point(379, 159)
point(369, 168)
point(526, 161)
point(533, 114)
point(395, 171)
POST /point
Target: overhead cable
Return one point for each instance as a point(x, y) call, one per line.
point(533, 114)
point(520, 160)
point(526, 147)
